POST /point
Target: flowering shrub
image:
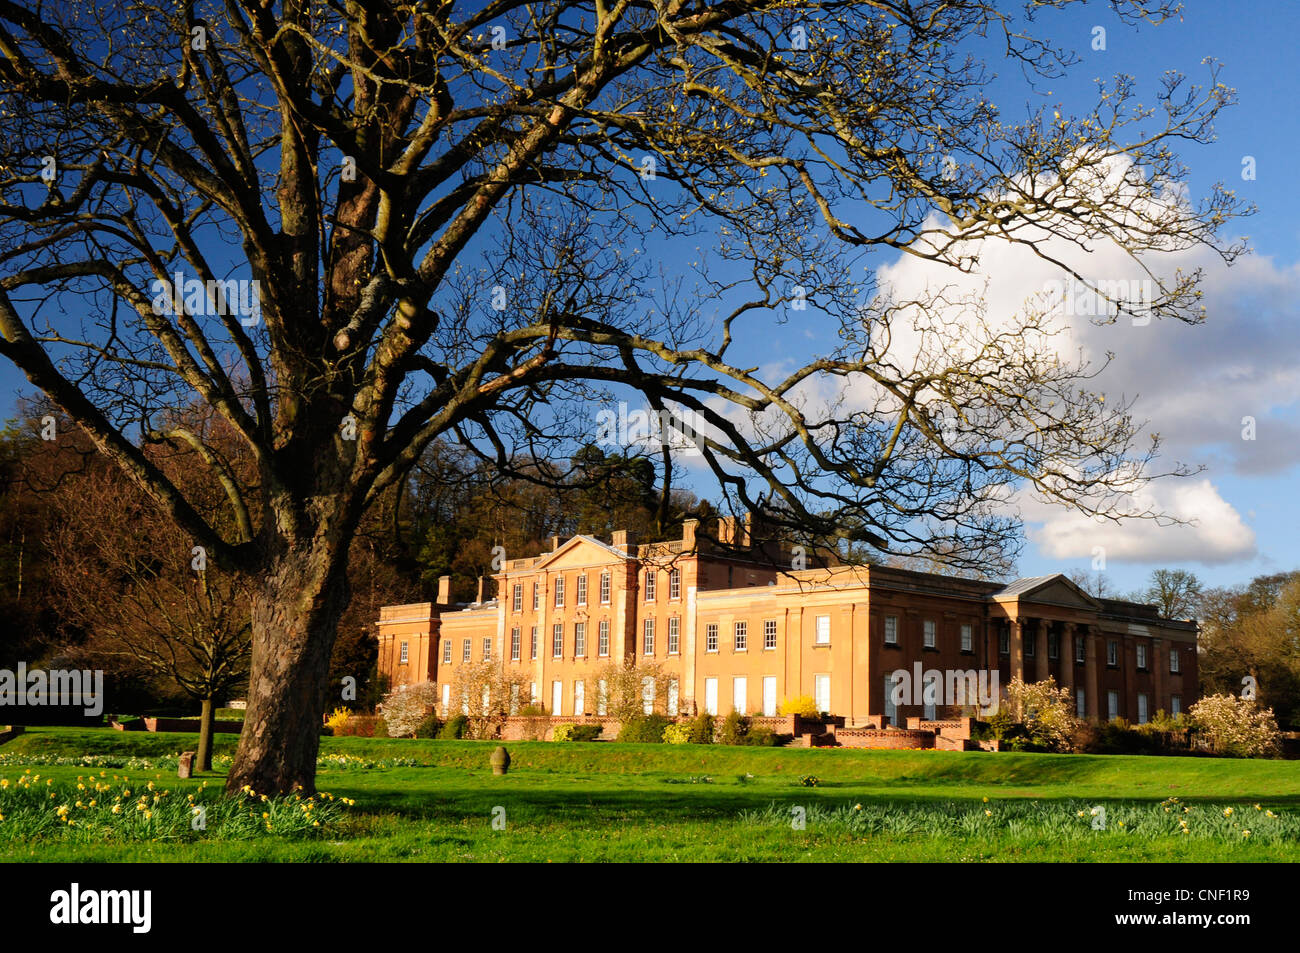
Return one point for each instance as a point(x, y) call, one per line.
point(804, 705)
point(98, 809)
point(337, 718)
point(1038, 713)
point(678, 734)
point(1235, 726)
point(406, 707)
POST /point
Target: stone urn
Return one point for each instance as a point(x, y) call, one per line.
point(500, 760)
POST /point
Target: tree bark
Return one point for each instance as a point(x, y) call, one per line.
point(295, 621)
point(206, 717)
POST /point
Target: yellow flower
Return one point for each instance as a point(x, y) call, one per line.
point(1258, 808)
point(1245, 833)
point(1227, 812)
point(988, 813)
point(117, 808)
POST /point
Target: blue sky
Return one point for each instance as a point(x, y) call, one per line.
point(1195, 383)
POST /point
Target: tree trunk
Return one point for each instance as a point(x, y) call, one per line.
point(206, 717)
point(295, 619)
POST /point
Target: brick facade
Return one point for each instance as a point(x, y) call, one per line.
point(733, 629)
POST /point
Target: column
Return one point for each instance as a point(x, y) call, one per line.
point(1042, 664)
point(1067, 657)
point(1017, 649)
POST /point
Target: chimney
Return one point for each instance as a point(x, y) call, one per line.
point(688, 534)
point(555, 543)
point(727, 531)
point(479, 600)
point(444, 590)
point(624, 541)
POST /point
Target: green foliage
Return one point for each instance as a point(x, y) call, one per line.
point(453, 728)
point(702, 729)
point(644, 729)
point(733, 730)
point(429, 727)
point(570, 732)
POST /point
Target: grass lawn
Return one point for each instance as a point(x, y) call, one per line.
point(437, 800)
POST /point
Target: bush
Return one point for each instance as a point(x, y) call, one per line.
point(702, 729)
point(453, 729)
point(406, 708)
point(1036, 716)
point(361, 726)
point(430, 727)
point(764, 738)
point(570, 732)
point(804, 705)
point(1239, 727)
point(678, 734)
point(532, 711)
point(644, 729)
point(734, 729)
point(337, 718)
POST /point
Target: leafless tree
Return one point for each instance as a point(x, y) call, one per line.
point(479, 221)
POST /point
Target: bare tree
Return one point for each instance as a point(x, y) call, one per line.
point(452, 213)
point(1175, 591)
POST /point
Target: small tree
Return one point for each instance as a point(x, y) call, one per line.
point(489, 694)
point(1240, 727)
point(1044, 712)
point(622, 689)
point(406, 707)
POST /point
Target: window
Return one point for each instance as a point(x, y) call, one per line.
point(741, 636)
point(930, 639)
point(1080, 648)
point(672, 696)
point(822, 630)
point(769, 633)
point(711, 640)
point(1142, 708)
point(557, 697)
point(674, 584)
point(579, 698)
point(446, 699)
point(559, 591)
point(515, 640)
point(967, 638)
point(1004, 642)
point(582, 589)
point(1141, 656)
point(891, 630)
point(405, 653)
point(1174, 667)
point(532, 643)
point(891, 707)
point(487, 650)
point(928, 712)
point(518, 601)
point(648, 637)
point(1175, 704)
point(1030, 643)
point(602, 645)
point(537, 597)
point(514, 700)
point(711, 696)
point(464, 651)
point(822, 692)
point(1053, 645)
point(651, 577)
point(769, 696)
point(446, 651)
point(604, 589)
point(580, 639)
point(557, 641)
point(1112, 653)
point(739, 694)
point(674, 635)
point(1080, 702)
point(1112, 705)
point(648, 695)
point(602, 698)
point(533, 697)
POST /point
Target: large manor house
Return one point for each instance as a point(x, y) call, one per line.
point(733, 630)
